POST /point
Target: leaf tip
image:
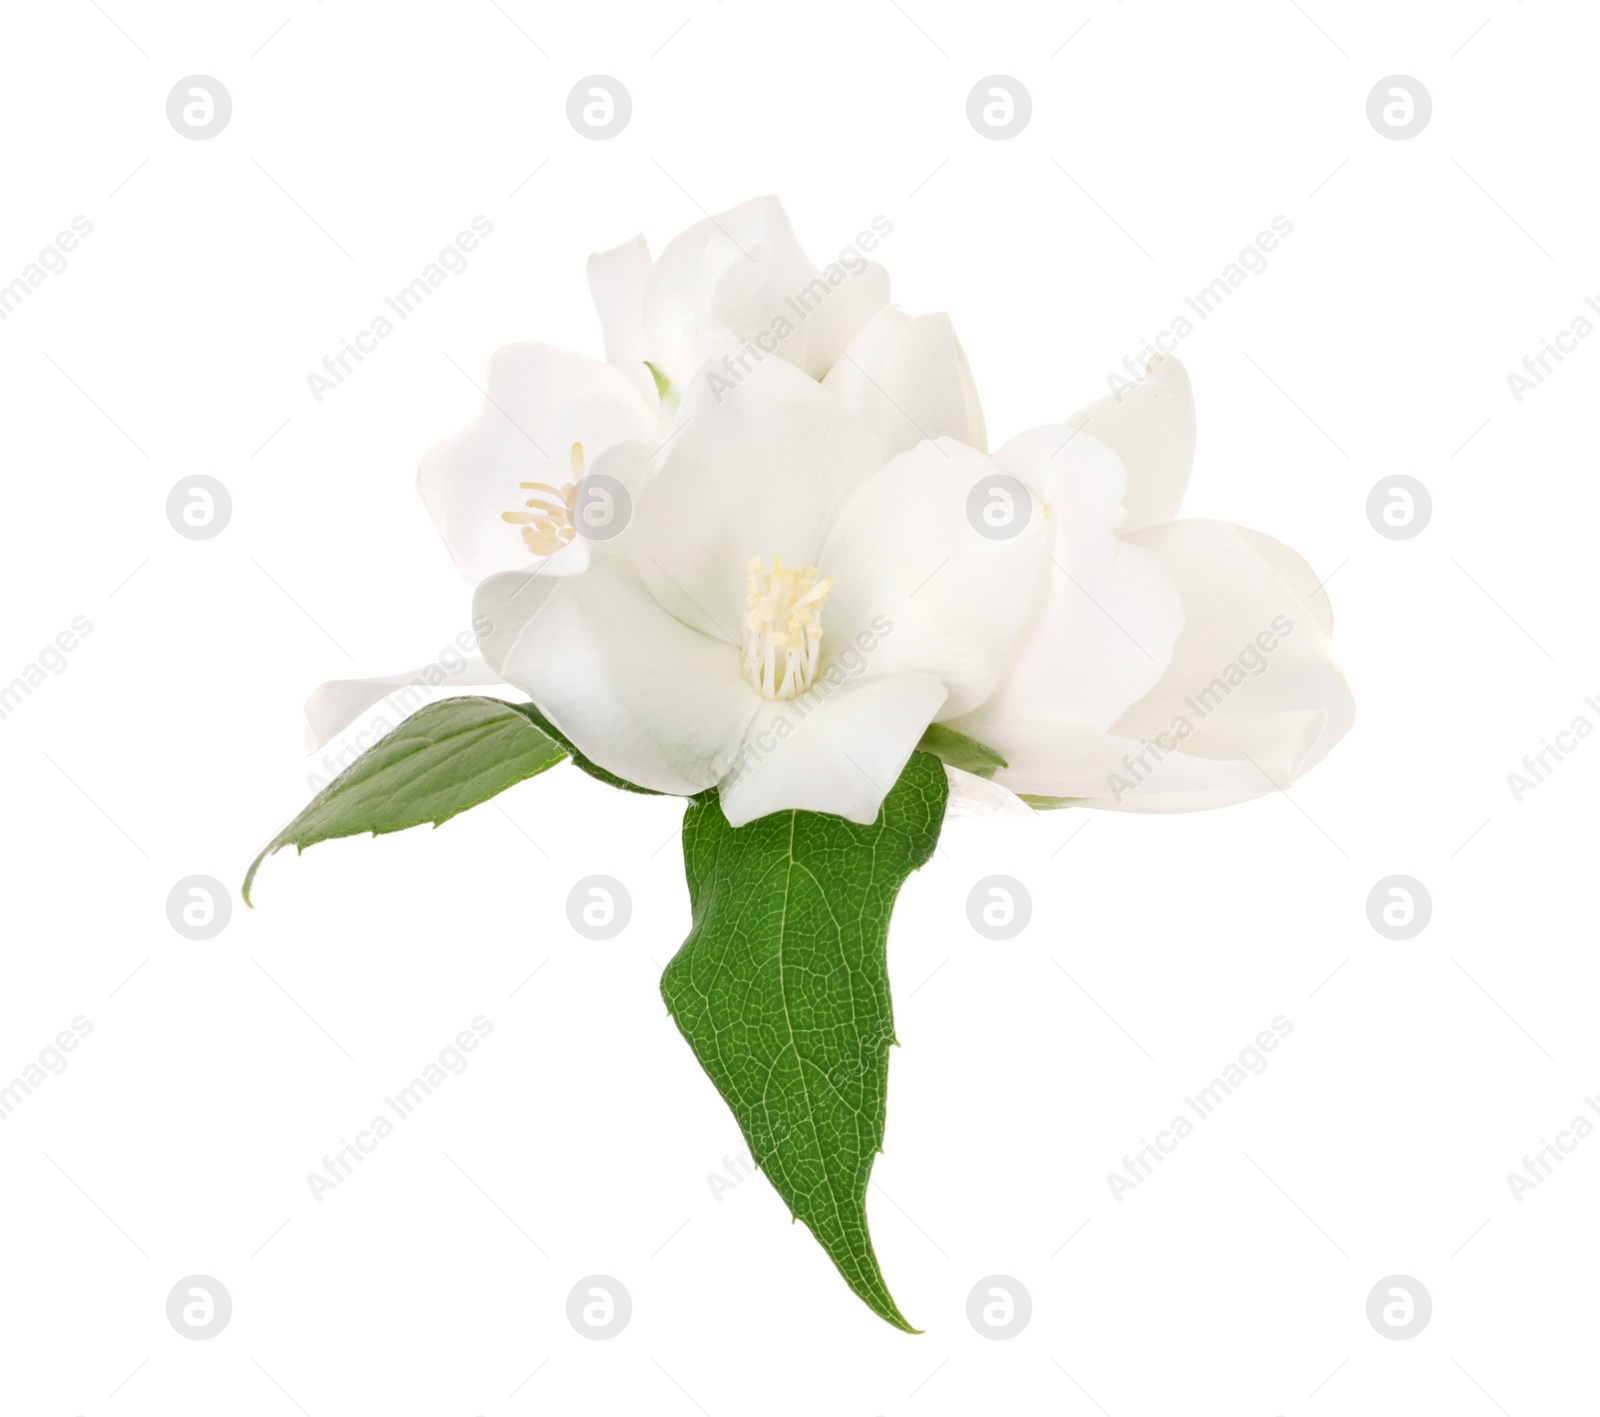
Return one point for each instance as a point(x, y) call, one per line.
point(884, 1305)
point(249, 880)
point(886, 1309)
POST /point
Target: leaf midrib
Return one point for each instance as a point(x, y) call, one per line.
point(794, 1046)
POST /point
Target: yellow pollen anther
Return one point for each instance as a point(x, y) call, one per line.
point(783, 628)
point(548, 526)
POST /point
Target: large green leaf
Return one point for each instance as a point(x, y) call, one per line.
point(782, 990)
point(443, 759)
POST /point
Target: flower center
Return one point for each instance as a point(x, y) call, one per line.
point(783, 628)
point(547, 527)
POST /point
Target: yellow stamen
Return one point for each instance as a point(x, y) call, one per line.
point(548, 526)
point(783, 628)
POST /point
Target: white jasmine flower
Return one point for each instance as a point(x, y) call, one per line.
point(787, 614)
point(1167, 665)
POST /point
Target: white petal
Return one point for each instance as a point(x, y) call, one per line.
point(739, 274)
point(503, 604)
point(616, 282)
point(1241, 615)
point(682, 290)
point(333, 706)
point(974, 796)
point(540, 402)
point(1151, 428)
point(838, 751)
point(761, 473)
point(1296, 573)
point(904, 555)
point(640, 693)
point(908, 379)
point(608, 497)
point(1106, 614)
point(1250, 701)
point(1212, 768)
point(838, 320)
point(1069, 468)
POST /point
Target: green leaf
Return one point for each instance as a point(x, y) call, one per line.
point(443, 759)
point(960, 751)
point(1047, 804)
point(662, 382)
point(782, 990)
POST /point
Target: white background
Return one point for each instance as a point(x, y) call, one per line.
point(434, 1280)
